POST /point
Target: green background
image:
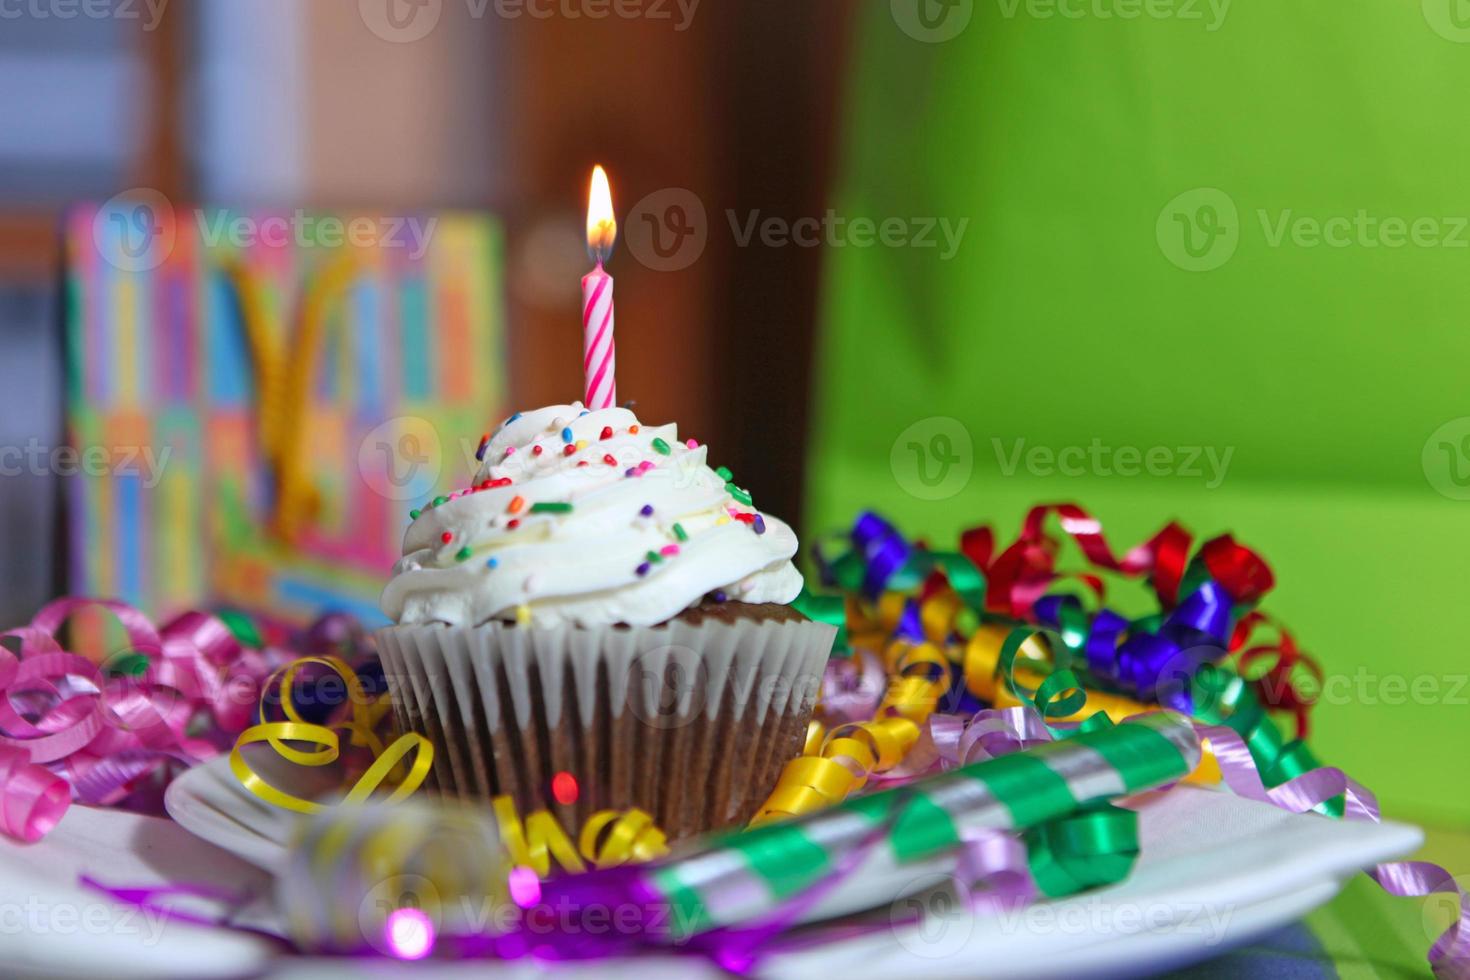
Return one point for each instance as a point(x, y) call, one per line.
point(1331, 373)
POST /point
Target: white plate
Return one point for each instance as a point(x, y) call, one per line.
point(1214, 871)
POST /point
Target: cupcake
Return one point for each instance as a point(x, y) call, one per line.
point(600, 621)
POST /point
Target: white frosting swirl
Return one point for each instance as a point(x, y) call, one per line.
point(488, 553)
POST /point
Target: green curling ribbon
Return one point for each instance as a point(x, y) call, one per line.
point(1222, 697)
point(1048, 697)
point(967, 581)
point(1086, 850)
point(830, 609)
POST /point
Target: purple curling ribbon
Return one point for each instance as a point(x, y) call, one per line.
point(1450, 954)
point(883, 548)
point(1157, 665)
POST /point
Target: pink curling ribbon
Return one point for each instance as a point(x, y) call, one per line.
point(32, 800)
point(69, 731)
point(852, 687)
point(1450, 954)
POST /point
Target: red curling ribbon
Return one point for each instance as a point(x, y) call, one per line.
point(1025, 571)
point(70, 729)
point(1243, 573)
point(1276, 684)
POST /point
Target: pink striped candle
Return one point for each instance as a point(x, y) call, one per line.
point(599, 356)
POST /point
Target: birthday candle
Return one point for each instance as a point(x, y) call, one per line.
point(599, 357)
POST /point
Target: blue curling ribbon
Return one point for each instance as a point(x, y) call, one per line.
point(885, 551)
point(1151, 658)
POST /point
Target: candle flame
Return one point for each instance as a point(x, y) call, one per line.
point(602, 227)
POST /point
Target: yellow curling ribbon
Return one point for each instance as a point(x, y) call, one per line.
point(608, 838)
point(848, 756)
point(360, 725)
point(631, 835)
point(535, 842)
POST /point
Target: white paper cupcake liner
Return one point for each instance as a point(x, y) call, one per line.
point(690, 722)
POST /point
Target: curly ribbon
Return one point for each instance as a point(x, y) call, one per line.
point(1206, 600)
point(916, 676)
point(363, 718)
point(1311, 790)
point(34, 797)
point(71, 729)
point(608, 838)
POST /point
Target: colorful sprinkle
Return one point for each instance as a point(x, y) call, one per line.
point(413, 515)
point(661, 447)
point(646, 510)
point(446, 537)
point(513, 523)
point(738, 494)
point(551, 507)
point(633, 430)
point(606, 432)
point(510, 451)
point(653, 557)
point(645, 466)
point(718, 595)
point(642, 569)
point(569, 450)
point(439, 500)
point(492, 563)
point(516, 503)
point(743, 518)
point(758, 525)
point(722, 520)
point(723, 472)
point(680, 533)
point(523, 614)
point(630, 471)
point(692, 444)
point(609, 459)
point(484, 442)
point(669, 550)
point(581, 443)
point(512, 418)
point(536, 449)
point(566, 434)
point(462, 553)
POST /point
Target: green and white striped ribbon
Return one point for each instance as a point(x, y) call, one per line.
point(746, 875)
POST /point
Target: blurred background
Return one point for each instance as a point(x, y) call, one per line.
point(1191, 259)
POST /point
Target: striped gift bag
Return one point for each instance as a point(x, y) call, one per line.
point(255, 399)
